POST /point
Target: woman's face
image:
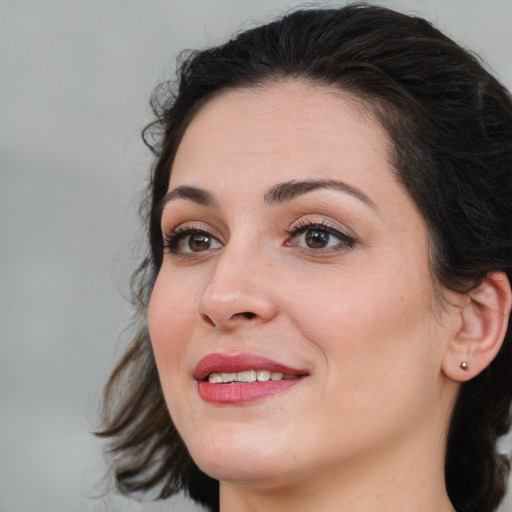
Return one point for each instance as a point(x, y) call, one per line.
point(295, 260)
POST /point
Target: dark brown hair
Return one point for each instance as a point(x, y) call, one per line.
point(450, 123)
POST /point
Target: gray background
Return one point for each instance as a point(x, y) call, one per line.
point(75, 77)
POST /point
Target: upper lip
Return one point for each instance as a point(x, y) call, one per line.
point(233, 363)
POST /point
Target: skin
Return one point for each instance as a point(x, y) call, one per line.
point(365, 431)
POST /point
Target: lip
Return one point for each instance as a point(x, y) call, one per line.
point(238, 394)
point(232, 363)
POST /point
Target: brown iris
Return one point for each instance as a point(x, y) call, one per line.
point(199, 242)
point(316, 239)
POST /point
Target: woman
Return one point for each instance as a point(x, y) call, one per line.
point(327, 288)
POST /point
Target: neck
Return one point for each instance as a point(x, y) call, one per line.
point(408, 475)
point(348, 493)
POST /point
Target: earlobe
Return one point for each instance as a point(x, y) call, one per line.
point(482, 328)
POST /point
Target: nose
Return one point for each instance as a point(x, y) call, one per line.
point(239, 291)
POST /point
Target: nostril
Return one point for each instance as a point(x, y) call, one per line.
point(249, 315)
point(208, 320)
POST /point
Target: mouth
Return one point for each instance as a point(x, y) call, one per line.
point(248, 376)
point(237, 379)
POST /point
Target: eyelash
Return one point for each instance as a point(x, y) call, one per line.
point(346, 242)
point(172, 240)
point(179, 234)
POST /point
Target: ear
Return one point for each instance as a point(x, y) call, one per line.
point(482, 326)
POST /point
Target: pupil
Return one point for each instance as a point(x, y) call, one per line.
point(199, 242)
point(317, 239)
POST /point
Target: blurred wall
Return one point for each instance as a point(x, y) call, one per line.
point(75, 77)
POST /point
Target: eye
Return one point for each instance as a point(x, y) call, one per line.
point(319, 238)
point(188, 240)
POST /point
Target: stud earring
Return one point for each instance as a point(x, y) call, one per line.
point(464, 365)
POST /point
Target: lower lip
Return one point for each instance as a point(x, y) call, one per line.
point(237, 394)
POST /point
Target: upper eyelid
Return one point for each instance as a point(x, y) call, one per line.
point(176, 218)
point(179, 212)
point(306, 223)
point(190, 225)
point(303, 224)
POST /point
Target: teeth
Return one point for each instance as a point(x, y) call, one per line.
point(263, 376)
point(248, 376)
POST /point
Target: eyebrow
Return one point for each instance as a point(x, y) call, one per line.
point(277, 194)
point(291, 189)
point(194, 194)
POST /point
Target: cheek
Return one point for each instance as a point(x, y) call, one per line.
point(170, 323)
point(377, 341)
point(368, 325)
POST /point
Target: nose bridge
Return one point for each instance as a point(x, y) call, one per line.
point(238, 288)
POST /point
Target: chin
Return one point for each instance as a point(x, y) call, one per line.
point(239, 456)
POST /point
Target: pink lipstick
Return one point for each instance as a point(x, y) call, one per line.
point(237, 379)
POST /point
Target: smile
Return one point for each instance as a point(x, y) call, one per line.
point(225, 379)
point(248, 376)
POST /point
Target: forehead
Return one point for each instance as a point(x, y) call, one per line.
point(281, 131)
